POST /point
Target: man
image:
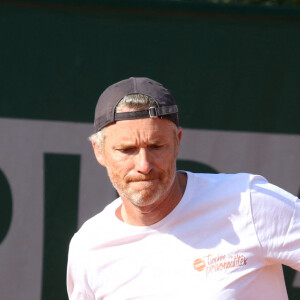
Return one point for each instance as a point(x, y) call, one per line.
point(176, 235)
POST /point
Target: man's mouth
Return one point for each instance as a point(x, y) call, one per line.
point(143, 180)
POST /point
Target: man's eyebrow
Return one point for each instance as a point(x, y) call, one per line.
point(157, 141)
point(124, 144)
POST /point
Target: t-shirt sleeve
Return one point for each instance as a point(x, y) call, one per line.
point(77, 286)
point(276, 217)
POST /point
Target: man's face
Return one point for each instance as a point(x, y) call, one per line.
point(140, 158)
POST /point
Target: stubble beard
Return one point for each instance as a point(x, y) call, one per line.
point(157, 190)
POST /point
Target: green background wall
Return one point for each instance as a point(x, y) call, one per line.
point(218, 60)
point(231, 68)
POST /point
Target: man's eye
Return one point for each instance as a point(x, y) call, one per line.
point(156, 146)
point(126, 150)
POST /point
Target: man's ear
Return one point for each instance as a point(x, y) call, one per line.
point(179, 134)
point(98, 153)
point(178, 138)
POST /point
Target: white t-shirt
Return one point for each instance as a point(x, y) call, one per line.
point(226, 239)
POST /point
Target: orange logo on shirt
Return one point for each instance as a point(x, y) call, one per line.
point(213, 264)
point(199, 264)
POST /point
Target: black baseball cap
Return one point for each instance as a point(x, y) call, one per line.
point(105, 112)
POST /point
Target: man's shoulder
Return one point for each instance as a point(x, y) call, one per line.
point(223, 182)
point(221, 177)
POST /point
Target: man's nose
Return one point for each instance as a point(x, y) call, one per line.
point(143, 162)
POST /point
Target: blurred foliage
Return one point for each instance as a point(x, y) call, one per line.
point(262, 2)
point(255, 2)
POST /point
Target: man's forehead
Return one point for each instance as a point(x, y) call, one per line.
point(133, 141)
point(151, 128)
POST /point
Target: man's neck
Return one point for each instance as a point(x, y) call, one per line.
point(145, 216)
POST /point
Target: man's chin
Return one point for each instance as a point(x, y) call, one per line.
point(143, 198)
